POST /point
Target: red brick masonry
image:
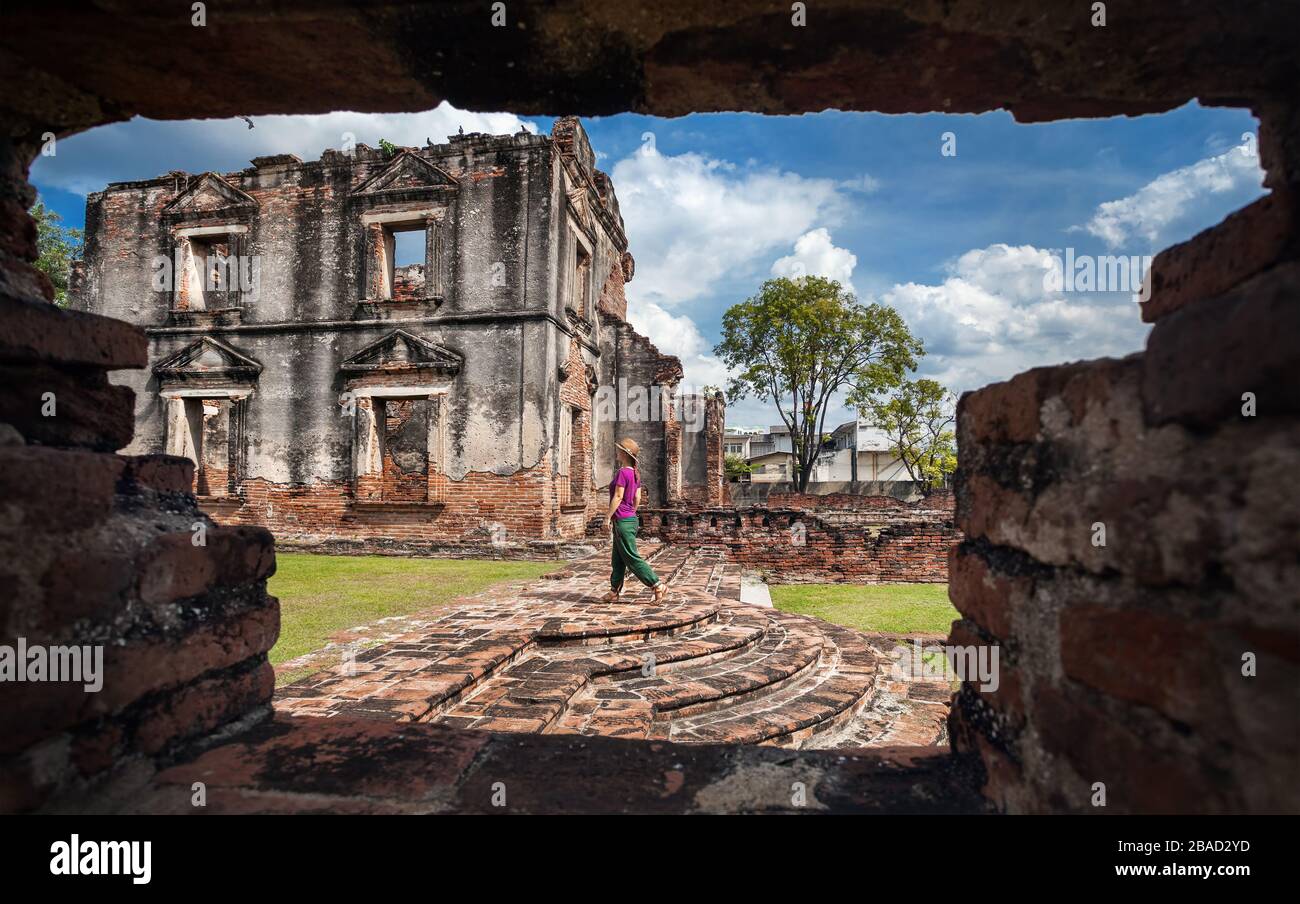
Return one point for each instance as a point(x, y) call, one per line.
point(849, 539)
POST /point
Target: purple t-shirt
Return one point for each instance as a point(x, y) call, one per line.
point(626, 479)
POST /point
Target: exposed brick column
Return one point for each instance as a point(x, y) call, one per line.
point(715, 421)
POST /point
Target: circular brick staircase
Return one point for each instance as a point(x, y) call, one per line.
point(702, 667)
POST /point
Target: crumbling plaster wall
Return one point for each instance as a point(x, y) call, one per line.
point(312, 275)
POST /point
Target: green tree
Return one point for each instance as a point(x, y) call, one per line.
point(800, 341)
point(918, 416)
point(387, 147)
point(57, 247)
point(736, 467)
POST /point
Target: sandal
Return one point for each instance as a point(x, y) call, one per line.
point(611, 597)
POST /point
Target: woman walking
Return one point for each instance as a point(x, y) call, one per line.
point(624, 495)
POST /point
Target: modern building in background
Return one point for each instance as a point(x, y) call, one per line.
point(857, 452)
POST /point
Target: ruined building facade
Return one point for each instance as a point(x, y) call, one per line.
point(331, 395)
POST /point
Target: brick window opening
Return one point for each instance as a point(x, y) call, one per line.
point(403, 260)
point(581, 280)
point(564, 457)
point(577, 457)
point(209, 433)
point(208, 277)
point(399, 450)
point(573, 457)
point(213, 473)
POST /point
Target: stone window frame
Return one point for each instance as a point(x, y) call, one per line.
point(378, 227)
point(176, 409)
point(579, 297)
point(182, 257)
point(368, 441)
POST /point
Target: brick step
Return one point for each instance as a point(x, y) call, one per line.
point(631, 705)
point(783, 654)
point(539, 687)
point(818, 701)
point(903, 712)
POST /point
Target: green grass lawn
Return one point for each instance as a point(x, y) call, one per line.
point(888, 608)
point(320, 595)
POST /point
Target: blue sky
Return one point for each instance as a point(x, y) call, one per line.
point(716, 203)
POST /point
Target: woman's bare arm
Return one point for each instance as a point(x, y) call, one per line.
point(614, 504)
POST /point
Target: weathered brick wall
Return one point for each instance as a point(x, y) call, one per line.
point(613, 300)
point(703, 479)
point(799, 546)
point(936, 500)
point(1164, 663)
point(99, 551)
point(630, 360)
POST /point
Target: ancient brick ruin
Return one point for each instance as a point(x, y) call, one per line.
point(341, 400)
point(1122, 664)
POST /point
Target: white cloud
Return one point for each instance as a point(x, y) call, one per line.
point(816, 255)
point(692, 219)
point(992, 318)
point(144, 148)
point(1152, 212)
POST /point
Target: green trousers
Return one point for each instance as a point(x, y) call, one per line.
point(625, 558)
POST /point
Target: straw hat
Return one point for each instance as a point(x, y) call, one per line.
point(629, 445)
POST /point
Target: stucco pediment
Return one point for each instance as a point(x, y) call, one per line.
point(401, 351)
point(406, 172)
point(207, 360)
point(209, 194)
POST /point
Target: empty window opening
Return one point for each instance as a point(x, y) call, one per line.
point(398, 260)
point(581, 287)
point(398, 450)
point(577, 457)
point(208, 278)
point(408, 255)
point(572, 457)
point(207, 432)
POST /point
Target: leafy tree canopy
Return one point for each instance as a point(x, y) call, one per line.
point(918, 416)
point(57, 247)
point(736, 467)
point(800, 341)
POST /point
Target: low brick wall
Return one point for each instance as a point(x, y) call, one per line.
point(795, 545)
point(782, 492)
